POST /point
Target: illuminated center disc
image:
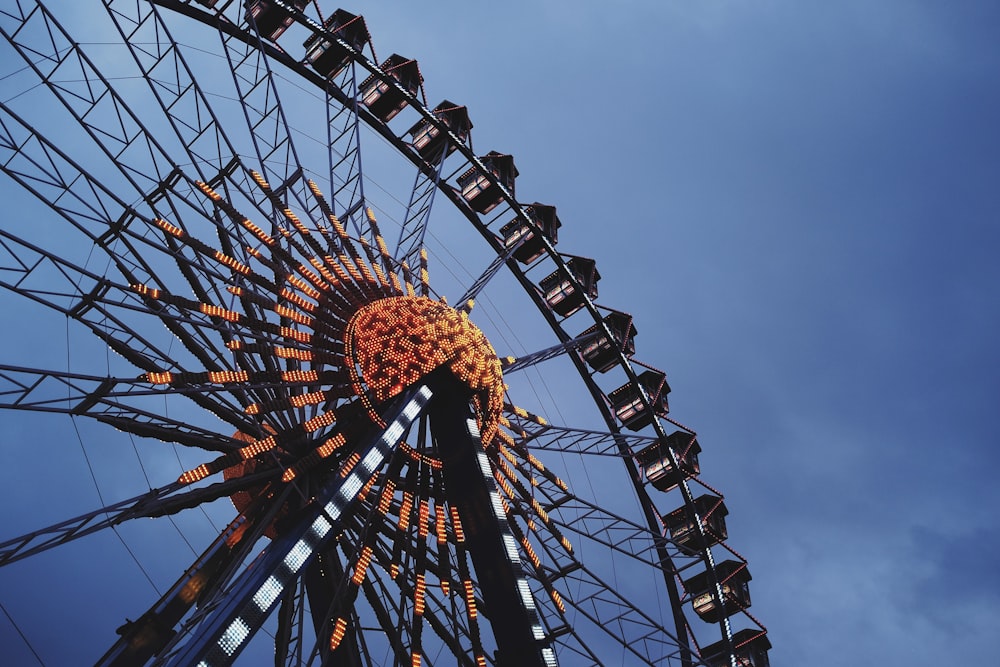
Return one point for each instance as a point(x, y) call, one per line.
point(393, 342)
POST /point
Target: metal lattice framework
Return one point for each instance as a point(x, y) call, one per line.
point(211, 223)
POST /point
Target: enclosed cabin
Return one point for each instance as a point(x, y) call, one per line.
point(385, 100)
point(561, 293)
point(519, 234)
point(601, 352)
point(329, 58)
point(481, 192)
point(655, 460)
point(734, 578)
point(627, 403)
point(683, 528)
point(270, 18)
point(430, 141)
point(750, 649)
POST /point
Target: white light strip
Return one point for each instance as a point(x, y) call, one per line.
point(413, 408)
point(234, 635)
point(336, 506)
point(297, 556)
point(393, 433)
point(497, 505)
point(320, 527)
point(484, 465)
point(268, 593)
point(511, 546)
point(351, 487)
point(526, 597)
point(372, 460)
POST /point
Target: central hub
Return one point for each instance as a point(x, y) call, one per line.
point(394, 342)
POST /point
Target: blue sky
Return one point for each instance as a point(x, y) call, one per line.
point(798, 202)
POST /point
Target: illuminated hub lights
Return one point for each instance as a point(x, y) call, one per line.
point(396, 341)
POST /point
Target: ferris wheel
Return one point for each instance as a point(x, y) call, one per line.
point(322, 323)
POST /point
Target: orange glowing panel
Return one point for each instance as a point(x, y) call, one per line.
point(470, 598)
point(159, 378)
point(303, 286)
point(222, 313)
point(258, 232)
point(201, 472)
point(422, 526)
point(146, 291)
point(293, 316)
point(320, 421)
point(362, 566)
point(456, 523)
point(535, 561)
point(228, 377)
point(558, 600)
point(404, 511)
point(212, 194)
point(395, 341)
point(312, 398)
point(385, 501)
point(299, 376)
point(295, 334)
point(418, 595)
point(349, 464)
point(292, 297)
point(442, 535)
point(234, 264)
point(168, 228)
point(339, 628)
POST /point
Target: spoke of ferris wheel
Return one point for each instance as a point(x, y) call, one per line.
point(264, 112)
point(101, 398)
point(343, 126)
point(270, 130)
point(605, 606)
point(358, 537)
point(550, 437)
point(511, 365)
point(163, 501)
point(83, 201)
point(57, 201)
point(487, 275)
point(220, 638)
point(590, 521)
point(88, 304)
point(418, 211)
point(93, 397)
